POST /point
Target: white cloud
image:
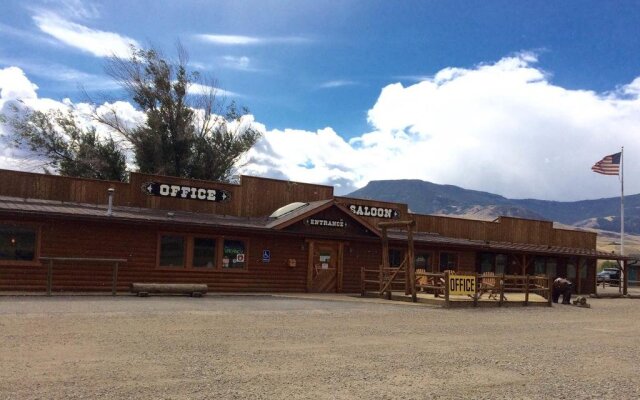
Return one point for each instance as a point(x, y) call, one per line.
point(337, 83)
point(200, 89)
point(501, 127)
point(99, 43)
point(15, 85)
point(241, 63)
point(239, 40)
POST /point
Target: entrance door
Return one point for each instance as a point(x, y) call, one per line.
point(325, 267)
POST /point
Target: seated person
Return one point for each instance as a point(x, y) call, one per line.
point(562, 286)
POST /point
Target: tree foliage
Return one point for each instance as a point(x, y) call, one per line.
point(65, 146)
point(187, 131)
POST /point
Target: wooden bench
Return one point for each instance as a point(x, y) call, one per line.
point(191, 289)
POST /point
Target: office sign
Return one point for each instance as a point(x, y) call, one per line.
point(185, 192)
point(462, 284)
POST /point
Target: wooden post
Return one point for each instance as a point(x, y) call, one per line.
point(501, 291)
point(385, 257)
point(475, 295)
point(114, 282)
point(446, 289)
point(578, 271)
point(412, 265)
point(549, 291)
point(49, 277)
point(526, 290)
point(625, 266)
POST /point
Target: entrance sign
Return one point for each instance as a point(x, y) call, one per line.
point(378, 212)
point(462, 284)
point(326, 222)
point(185, 192)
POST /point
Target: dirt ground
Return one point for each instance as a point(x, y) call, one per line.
point(266, 347)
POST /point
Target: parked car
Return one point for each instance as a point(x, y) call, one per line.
point(608, 275)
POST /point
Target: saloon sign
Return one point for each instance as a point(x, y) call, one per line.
point(378, 212)
point(185, 192)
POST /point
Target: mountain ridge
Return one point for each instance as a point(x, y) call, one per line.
point(431, 198)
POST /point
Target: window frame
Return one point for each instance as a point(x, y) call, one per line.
point(457, 266)
point(431, 259)
point(36, 253)
point(189, 248)
point(220, 253)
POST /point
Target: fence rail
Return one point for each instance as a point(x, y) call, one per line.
point(383, 280)
point(115, 263)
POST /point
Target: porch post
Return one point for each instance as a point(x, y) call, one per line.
point(625, 277)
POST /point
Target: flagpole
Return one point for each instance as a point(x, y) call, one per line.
point(622, 202)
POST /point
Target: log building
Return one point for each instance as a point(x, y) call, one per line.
point(261, 235)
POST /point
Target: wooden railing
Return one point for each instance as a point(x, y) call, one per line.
point(384, 281)
point(114, 262)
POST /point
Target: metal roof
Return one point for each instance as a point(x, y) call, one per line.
point(510, 247)
point(121, 213)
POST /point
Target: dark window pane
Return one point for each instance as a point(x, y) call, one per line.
point(486, 262)
point(204, 252)
point(234, 254)
point(17, 243)
point(395, 257)
point(501, 263)
point(172, 251)
point(423, 261)
point(448, 261)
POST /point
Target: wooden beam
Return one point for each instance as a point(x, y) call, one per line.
point(396, 224)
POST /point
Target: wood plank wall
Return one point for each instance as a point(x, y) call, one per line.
point(138, 244)
point(261, 196)
point(505, 229)
point(253, 197)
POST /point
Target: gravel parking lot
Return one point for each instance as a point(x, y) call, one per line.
point(269, 347)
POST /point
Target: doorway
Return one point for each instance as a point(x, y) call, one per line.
point(325, 267)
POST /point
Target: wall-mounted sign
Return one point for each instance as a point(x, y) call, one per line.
point(185, 192)
point(266, 256)
point(331, 223)
point(378, 212)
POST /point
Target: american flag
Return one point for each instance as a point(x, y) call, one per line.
point(610, 165)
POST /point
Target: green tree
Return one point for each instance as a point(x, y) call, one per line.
point(187, 131)
point(63, 145)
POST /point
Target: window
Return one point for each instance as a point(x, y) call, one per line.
point(486, 262)
point(423, 261)
point(395, 258)
point(171, 251)
point(501, 263)
point(204, 252)
point(539, 267)
point(18, 243)
point(448, 261)
point(233, 255)
point(200, 252)
point(551, 267)
point(571, 269)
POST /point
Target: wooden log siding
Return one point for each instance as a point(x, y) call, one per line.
point(254, 197)
point(505, 229)
point(138, 244)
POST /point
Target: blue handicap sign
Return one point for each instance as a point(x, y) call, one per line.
point(266, 256)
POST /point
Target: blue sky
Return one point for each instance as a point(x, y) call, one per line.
point(337, 74)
